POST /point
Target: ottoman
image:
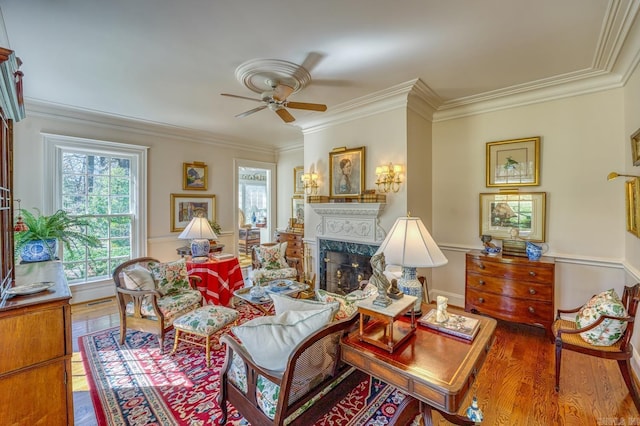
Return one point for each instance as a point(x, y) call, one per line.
point(201, 323)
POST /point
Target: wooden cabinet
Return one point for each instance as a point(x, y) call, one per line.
point(35, 351)
point(247, 238)
point(295, 248)
point(511, 288)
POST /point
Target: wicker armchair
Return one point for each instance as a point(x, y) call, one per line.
point(149, 310)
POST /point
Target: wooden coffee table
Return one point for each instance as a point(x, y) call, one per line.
point(264, 303)
point(435, 369)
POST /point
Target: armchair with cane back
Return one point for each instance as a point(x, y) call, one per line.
point(151, 295)
point(608, 337)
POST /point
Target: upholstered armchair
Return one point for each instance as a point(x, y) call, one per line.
point(270, 263)
point(151, 295)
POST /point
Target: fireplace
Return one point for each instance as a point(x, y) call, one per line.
point(348, 235)
point(344, 264)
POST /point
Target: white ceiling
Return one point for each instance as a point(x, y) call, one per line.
point(166, 61)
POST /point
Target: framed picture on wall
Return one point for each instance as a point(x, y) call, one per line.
point(346, 172)
point(513, 162)
point(297, 209)
point(632, 198)
point(194, 176)
point(635, 148)
point(524, 211)
point(185, 207)
point(298, 183)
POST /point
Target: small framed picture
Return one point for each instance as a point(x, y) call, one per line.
point(185, 207)
point(297, 209)
point(194, 176)
point(523, 211)
point(346, 172)
point(513, 162)
point(635, 148)
point(298, 183)
point(632, 198)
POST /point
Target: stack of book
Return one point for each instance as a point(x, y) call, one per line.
point(457, 325)
point(514, 248)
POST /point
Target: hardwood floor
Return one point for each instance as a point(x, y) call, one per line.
point(514, 387)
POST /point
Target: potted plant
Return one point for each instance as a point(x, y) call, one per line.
point(40, 242)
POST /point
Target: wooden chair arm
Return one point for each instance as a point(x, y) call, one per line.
point(138, 292)
point(567, 311)
point(599, 321)
point(138, 297)
point(194, 280)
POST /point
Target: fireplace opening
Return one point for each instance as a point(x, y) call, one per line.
point(343, 264)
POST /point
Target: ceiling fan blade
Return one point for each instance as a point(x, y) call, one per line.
point(241, 97)
point(284, 114)
point(281, 92)
point(251, 111)
point(305, 105)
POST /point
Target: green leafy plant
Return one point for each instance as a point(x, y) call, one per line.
point(216, 228)
point(60, 225)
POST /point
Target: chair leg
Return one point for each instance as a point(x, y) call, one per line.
point(625, 369)
point(558, 361)
point(175, 342)
point(123, 333)
point(161, 342)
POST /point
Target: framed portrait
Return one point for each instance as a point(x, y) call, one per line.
point(513, 162)
point(346, 172)
point(185, 207)
point(297, 209)
point(632, 198)
point(524, 211)
point(298, 183)
point(194, 176)
point(635, 148)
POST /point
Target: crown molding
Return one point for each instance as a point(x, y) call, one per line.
point(65, 113)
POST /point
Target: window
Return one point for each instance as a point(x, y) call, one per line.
point(105, 182)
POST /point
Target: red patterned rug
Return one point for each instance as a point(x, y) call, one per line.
point(136, 385)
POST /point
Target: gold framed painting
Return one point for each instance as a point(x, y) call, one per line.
point(194, 176)
point(185, 207)
point(297, 209)
point(504, 211)
point(514, 162)
point(632, 198)
point(635, 148)
point(346, 172)
point(298, 183)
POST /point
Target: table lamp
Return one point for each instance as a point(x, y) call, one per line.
point(199, 232)
point(410, 245)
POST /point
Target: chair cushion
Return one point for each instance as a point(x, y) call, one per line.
point(271, 339)
point(138, 277)
point(283, 303)
point(172, 306)
point(347, 306)
point(170, 277)
point(261, 276)
point(206, 320)
point(610, 331)
point(272, 257)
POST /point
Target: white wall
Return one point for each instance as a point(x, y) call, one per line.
point(632, 123)
point(287, 161)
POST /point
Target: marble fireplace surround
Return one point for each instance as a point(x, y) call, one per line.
point(347, 228)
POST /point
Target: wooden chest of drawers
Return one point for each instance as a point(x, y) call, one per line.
point(295, 248)
point(511, 288)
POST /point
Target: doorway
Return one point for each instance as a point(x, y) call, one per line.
point(255, 201)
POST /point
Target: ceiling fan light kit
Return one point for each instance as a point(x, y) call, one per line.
point(275, 81)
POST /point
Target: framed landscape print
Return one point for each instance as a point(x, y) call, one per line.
point(298, 183)
point(513, 162)
point(297, 209)
point(524, 211)
point(185, 207)
point(194, 176)
point(635, 148)
point(346, 172)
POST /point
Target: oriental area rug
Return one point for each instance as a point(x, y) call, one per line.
point(136, 385)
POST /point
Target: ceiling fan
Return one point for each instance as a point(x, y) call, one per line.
point(276, 100)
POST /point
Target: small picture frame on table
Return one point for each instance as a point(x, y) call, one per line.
point(194, 176)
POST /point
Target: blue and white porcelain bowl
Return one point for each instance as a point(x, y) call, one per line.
point(492, 251)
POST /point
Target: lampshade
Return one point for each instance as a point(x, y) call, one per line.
point(410, 245)
point(199, 232)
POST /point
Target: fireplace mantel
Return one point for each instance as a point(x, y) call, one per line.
point(355, 222)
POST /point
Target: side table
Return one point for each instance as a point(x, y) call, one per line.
point(384, 331)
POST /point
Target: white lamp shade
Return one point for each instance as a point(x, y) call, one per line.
point(409, 244)
point(198, 229)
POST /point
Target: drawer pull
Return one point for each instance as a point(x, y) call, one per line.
point(481, 266)
point(533, 274)
point(481, 282)
point(481, 299)
point(531, 310)
point(532, 291)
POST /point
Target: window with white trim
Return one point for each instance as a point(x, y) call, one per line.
point(104, 182)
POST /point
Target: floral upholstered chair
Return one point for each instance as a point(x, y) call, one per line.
point(270, 263)
point(151, 295)
point(277, 367)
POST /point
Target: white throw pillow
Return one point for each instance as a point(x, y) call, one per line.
point(271, 339)
point(283, 303)
point(138, 278)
